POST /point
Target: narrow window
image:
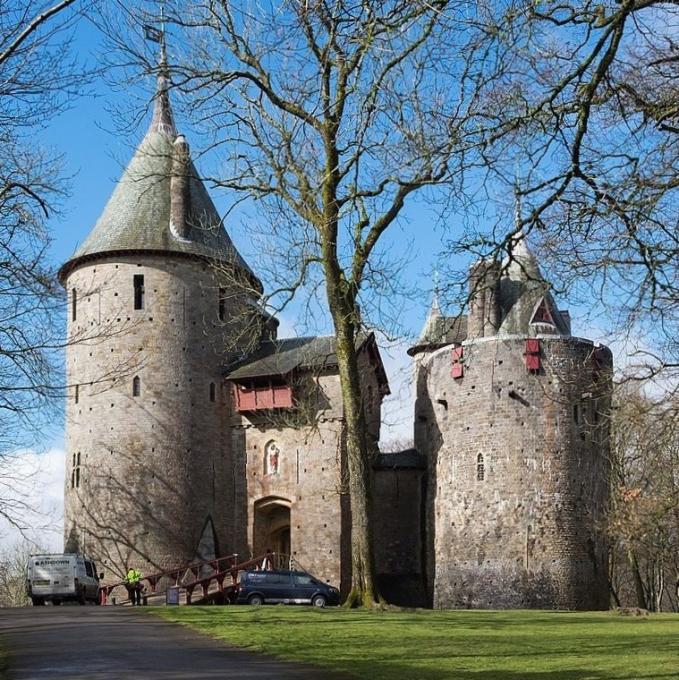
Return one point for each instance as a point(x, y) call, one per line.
point(480, 468)
point(138, 291)
point(136, 386)
point(212, 391)
point(221, 310)
point(76, 393)
point(75, 474)
point(74, 304)
point(576, 413)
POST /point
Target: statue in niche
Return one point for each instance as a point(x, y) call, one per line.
point(272, 458)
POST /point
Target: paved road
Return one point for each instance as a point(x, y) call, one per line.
point(107, 643)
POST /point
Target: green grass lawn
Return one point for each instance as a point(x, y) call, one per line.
point(433, 645)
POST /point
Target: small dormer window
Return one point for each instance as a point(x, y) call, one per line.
point(542, 314)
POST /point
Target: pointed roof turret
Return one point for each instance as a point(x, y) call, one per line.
point(439, 330)
point(525, 296)
point(137, 216)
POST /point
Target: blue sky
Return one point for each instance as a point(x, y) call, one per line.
point(95, 152)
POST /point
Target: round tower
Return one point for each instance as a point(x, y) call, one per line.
point(150, 479)
point(515, 426)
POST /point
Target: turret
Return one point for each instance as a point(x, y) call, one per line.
point(150, 466)
point(518, 475)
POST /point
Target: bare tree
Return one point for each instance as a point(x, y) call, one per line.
point(13, 567)
point(644, 515)
point(589, 165)
point(333, 116)
point(37, 80)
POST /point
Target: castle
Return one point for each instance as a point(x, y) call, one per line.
point(192, 430)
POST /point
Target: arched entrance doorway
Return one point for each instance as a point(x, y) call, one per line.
point(272, 526)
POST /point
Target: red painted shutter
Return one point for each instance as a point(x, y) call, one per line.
point(532, 346)
point(533, 362)
point(532, 354)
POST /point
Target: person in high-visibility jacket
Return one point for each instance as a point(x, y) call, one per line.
point(133, 585)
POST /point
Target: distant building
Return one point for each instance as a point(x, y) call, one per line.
point(193, 431)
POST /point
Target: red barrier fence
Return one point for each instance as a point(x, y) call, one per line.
point(191, 576)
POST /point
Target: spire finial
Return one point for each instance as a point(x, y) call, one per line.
point(163, 120)
point(518, 220)
point(435, 304)
point(163, 53)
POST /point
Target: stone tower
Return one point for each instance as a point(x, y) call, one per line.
point(511, 414)
point(149, 479)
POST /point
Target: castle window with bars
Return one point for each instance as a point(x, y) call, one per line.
point(480, 468)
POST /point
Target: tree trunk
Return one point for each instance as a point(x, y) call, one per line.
point(659, 587)
point(364, 592)
point(611, 578)
point(638, 581)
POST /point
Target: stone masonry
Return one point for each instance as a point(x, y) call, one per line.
point(514, 425)
point(193, 431)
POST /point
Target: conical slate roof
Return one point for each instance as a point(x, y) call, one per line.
point(438, 330)
point(523, 290)
point(137, 216)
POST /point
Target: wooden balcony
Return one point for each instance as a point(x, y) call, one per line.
point(259, 397)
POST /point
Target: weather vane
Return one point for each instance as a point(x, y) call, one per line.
point(157, 35)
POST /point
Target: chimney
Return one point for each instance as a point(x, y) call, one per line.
point(179, 189)
point(484, 299)
point(477, 301)
point(492, 315)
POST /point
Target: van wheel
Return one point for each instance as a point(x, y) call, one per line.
point(38, 602)
point(81, 596)
point(318, 601)
point(56, 603)
point(256, 600)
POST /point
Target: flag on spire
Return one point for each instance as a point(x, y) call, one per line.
point(153, 34)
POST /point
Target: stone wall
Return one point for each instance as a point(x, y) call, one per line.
point(309, 486)
point(518, 475)
point(147, 474)
point(399, 491)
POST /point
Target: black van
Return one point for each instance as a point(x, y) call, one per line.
point(287, 587)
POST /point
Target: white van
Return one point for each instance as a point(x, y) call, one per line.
point(56, 578)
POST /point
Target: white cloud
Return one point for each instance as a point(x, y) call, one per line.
point(32, 492)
